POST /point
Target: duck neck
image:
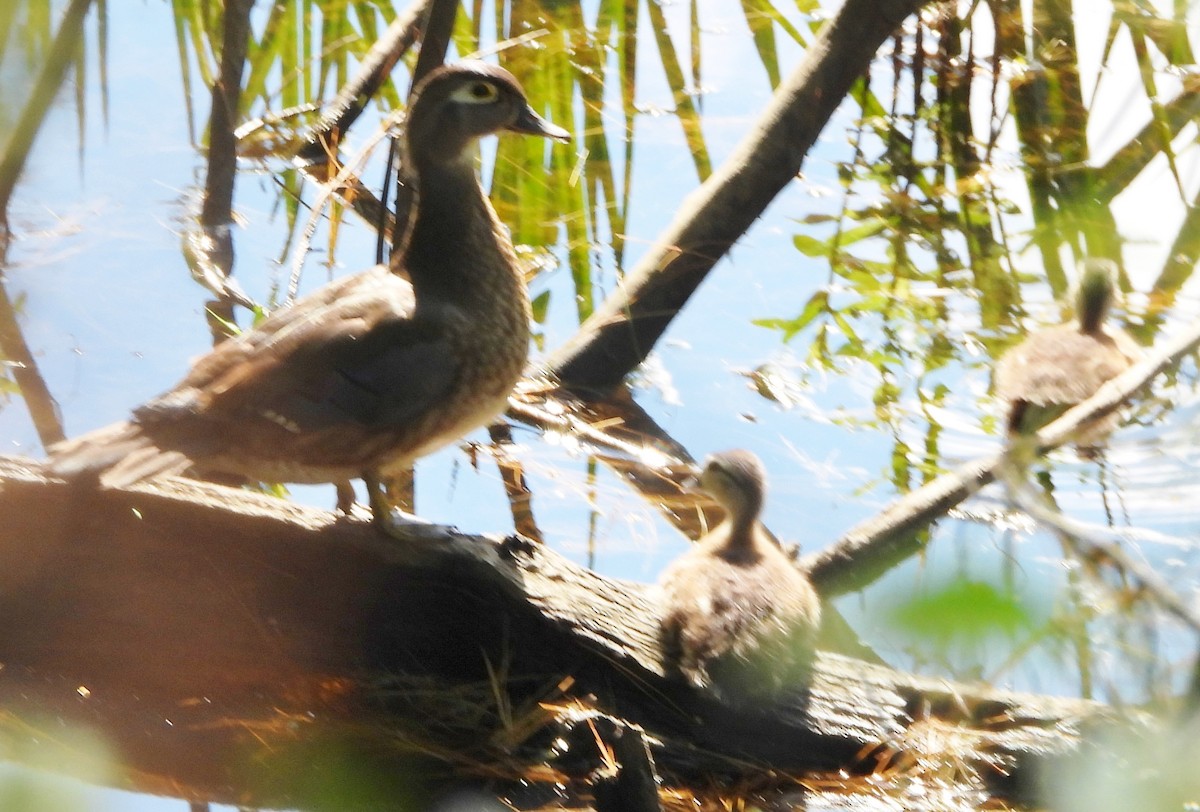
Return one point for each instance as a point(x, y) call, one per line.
point(740, 540)
point(1093, 307)
point(742, 527)
point(1095, 295)
point(456, 249)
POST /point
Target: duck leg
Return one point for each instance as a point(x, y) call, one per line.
point(345, 497)
point(381, 511)
point(394, 522)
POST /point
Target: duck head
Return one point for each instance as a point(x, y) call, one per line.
point(457, 104)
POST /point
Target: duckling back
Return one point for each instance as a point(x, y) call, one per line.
point(1058, 367)
point(738, 615)
point(741, 625)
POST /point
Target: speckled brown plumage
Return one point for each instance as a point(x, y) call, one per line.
point(1057, 367)
point(738, 615)
point(371, 371)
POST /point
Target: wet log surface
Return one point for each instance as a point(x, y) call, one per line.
point(212, 636)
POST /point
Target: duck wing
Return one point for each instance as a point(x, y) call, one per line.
point(333, 381)
point(314, 392)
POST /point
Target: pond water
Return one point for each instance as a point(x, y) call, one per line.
point(113, 317)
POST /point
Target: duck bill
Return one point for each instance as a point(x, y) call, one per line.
point(531, 123)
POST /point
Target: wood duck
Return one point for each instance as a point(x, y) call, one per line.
point(369, 372)
point(738, 615)
point(1058, 367)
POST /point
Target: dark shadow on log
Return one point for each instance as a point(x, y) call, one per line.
point(211, 634)
point(615, 758)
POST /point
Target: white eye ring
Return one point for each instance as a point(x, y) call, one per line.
point(477, 92)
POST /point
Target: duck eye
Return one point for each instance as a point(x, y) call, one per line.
point(484, 92)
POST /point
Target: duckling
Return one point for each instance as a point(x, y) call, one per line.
point(366, 374)
point(738, 615)
point(1058, 367)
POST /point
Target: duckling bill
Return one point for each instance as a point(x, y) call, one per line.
point(364, 375)
point(738, 615)
point(1058, 367)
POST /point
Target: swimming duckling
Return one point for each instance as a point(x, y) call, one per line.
point(371, 371)
point(1058, 367)
point(738, 614)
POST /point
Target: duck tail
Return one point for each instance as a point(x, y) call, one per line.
point(117, 455)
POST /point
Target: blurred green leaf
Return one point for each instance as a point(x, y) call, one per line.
point(870, 228)
point(811, 246)
point(961, 610)
point(540, 305)
point(817, 304)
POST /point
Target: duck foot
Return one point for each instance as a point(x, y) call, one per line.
point(398, 524)
point(406, 527)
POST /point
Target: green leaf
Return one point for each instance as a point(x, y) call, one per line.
point(868, 229)
point(540, 306)
point(844, 325)
point(816, 304)
point(811, 246)
point(963, 609)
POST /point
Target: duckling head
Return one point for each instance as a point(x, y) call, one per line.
point(737, 480)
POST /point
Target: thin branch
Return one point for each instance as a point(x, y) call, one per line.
point(345, 180)
point(373, 71)
point(217, 208)
point(208, 249)
point(1090, 542)
point(43, 409)
point(512, 473)
point(438, 25)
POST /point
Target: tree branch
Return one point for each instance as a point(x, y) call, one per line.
point(622, 332)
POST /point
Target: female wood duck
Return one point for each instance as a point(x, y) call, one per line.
point(1058, 367)
point(738, 615)
point(365, 374)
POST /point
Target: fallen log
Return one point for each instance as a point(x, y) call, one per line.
point(226, 643)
